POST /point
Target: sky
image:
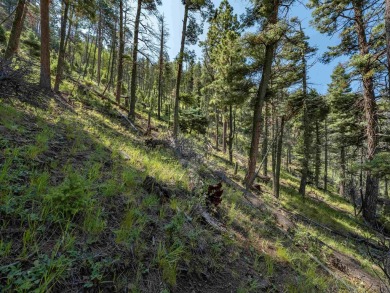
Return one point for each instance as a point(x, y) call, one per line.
point(319, 74)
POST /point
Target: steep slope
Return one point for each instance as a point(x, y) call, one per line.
point(76, 212)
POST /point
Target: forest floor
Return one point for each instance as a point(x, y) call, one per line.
point(90, 203)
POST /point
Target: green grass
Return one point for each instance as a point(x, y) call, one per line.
point(78, 206)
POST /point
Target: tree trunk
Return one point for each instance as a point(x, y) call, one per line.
point(275, 130)
point(88, 58)
point(179, 72)
point(343, 171)
point(87, 48)
point(231, 134)
point(70, 18)
point(264, 150)
point(160, 71)
point(306, 132)
point(133, 89)
point(73, 42)
point(94, 56)
point(372, 184)
point(44, 81)
point(16, 31)
point(120, 53)
point(224, 133)
point(276, 182)
point(113, 58)
point(216, 128)
point(259, 100)
point(61, 53)
point(100, 49)
point(318, 157)
point(326, 157)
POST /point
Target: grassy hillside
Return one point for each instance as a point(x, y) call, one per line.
point(76, 212)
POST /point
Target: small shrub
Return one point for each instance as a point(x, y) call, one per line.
point(70, 197)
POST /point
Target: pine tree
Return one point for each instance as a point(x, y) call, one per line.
point(227, 61)
point(354, 21)
point(344, 117)
point(189, 35)
point(45, 81)
point(150, 5)
point(16, 31)
point(269, 12)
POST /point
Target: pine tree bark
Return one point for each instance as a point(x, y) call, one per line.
point(179, 72)
point(369, 204)
point(259, 100)
point(61, 53)
point(16, 30)
point(276, 181)
point(120, 54)
point(44, 80)
point(133, 89)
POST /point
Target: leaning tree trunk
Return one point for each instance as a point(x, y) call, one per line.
point(179, 72)
point(133, 85)
point(120, 54)
point(372, 184)
point(61, 53)
point(259, 100)
point(44, 80)
point(16, 31)
point(276, 182)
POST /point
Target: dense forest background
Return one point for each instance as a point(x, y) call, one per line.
point(247, 99)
